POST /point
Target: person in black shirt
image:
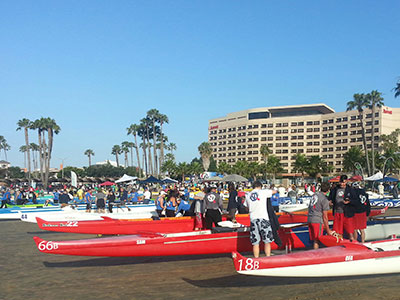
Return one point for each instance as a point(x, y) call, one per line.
point(233, 204)
point(111, 199)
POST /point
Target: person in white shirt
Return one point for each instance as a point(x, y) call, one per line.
point(260, 225)
point(147, 194)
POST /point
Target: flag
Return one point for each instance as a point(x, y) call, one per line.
point(74, 179)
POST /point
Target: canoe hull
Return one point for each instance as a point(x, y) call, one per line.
point(347, 260)
point(109, 226)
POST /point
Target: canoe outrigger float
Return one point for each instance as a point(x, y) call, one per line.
point(111, 226)
point(348, 259)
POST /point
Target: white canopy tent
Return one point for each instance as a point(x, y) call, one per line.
point(375, 177)
point(126, 178)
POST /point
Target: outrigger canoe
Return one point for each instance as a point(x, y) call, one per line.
point(219, 240)
point(349, 259)
point(111, 226)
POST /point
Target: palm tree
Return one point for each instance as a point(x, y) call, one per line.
point(35, 148)
point(52, 128)
point(265, 152)
point(359, 102)
point(131, 145)
point(351, 158)
point(162, 119)
point(182, 169)
point(133, 129)
point(4, 145)
point(397, 89)
point(300, 165)
point(205, 151)
point(375, 99)
point(171, 147)
point(146, 122)
point(24, 150)
point(116, 150)
point(125, 150)
point(26, 124)
point(153, 116)
point(274, 166)
point(89, 153)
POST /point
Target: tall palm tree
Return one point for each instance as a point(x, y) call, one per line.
point(153, 116)
point(171, 147)
point(131, 145)
point(359, 102)
point(39, 126)
point(265, 152)
point(375, 99)
point(24, 150)
point(26, 124)
point(162, 119)
point(205, 151)
point(397, 89)
point(300, 165)
point(4, 145)
point(35, 149)
point(116, 150)
point(133, 129)
point(125, 150)
point(142, 134)
point(146, 122)
point(89, 153)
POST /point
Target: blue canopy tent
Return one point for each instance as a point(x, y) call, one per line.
point(151, 179)
point(388, 179)
point(169, 180)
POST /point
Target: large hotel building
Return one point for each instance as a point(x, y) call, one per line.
point(314, 129)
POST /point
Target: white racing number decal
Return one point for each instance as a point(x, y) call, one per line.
point(141, 242)
point(249, 265)
point(49, 246)
point(70, 224)
point(349, 258)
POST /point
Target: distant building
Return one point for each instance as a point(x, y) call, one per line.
point(4, 164)
point(113, 163)
point(313, 129)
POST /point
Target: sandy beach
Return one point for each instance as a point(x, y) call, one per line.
point(28, 274)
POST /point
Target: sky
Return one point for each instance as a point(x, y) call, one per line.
point(98, 66)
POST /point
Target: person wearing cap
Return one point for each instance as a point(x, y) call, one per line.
point(160, 203)
point(362, 210)
point(213, 208)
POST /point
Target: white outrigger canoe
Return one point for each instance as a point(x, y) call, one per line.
point(139, 211)
point(348, 259)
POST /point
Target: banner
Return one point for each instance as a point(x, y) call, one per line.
point(74, 179)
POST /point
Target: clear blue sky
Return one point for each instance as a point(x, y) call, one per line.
point(98, 66)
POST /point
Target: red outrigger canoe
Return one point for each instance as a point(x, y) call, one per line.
point(349, 259)
point(109, 226)
point(184, 243)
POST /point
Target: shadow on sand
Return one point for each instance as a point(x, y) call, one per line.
point(255, 281)
point(120, 261)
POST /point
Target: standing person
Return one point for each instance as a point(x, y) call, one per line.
point(123, 196)
point(160, 203)
point(213, 207)
point(233, 204)
point(111, 200)
point(362, 210)
point(318, 214)
point(5, 199)
point(147, 195)
point(292, 193)
point(342, 209)
point(263, 221)
point(199, 210)
point(88, 200)
point(171, 203)
point(56, 196)
point(100, 202)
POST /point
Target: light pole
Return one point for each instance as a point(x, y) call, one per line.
point(384, 164)
point(62, 163)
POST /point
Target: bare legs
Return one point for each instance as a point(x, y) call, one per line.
point(267, 249)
